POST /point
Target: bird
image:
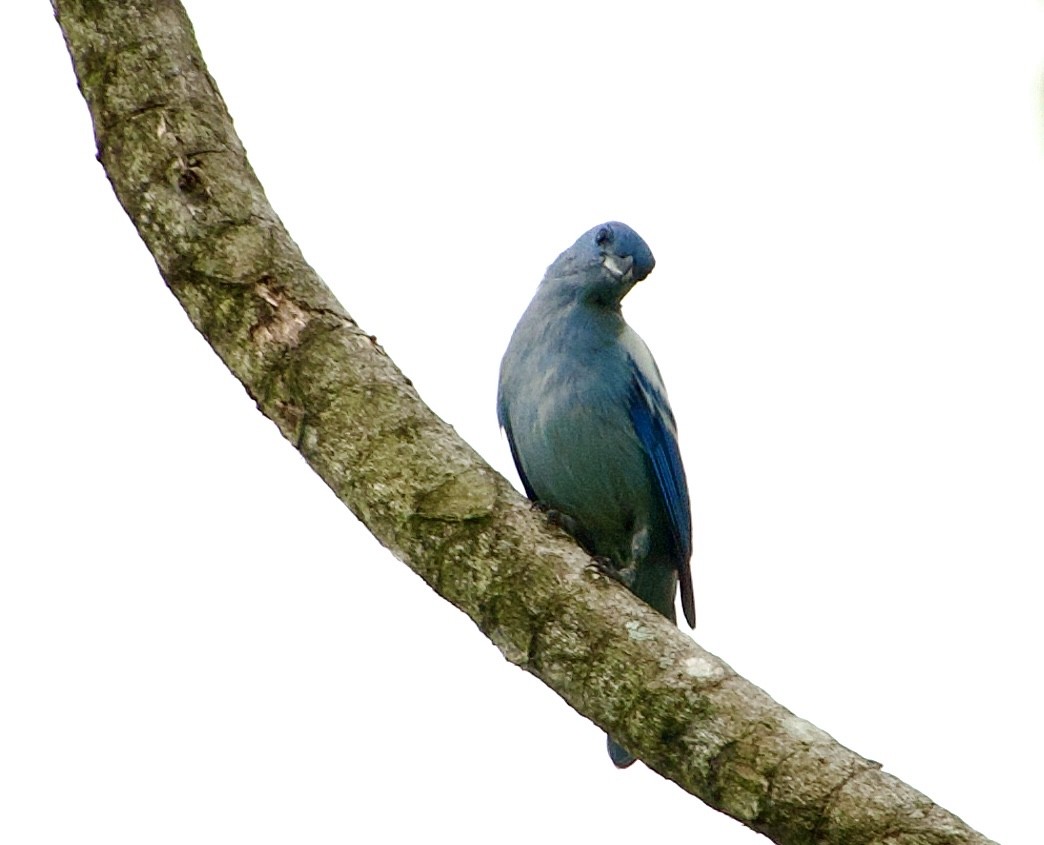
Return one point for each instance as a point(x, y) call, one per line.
point(591, 432)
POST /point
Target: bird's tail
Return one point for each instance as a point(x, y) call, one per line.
point(621, 757)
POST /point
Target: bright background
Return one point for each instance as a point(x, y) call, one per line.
point(198, 643)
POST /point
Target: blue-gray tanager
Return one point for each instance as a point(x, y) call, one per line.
point(586, 415)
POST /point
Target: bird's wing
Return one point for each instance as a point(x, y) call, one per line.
point(502, 418)
point(518, 465)
point(654, 425)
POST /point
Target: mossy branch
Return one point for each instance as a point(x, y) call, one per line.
point(168, 146)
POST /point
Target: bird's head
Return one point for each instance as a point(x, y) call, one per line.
point(603, 264)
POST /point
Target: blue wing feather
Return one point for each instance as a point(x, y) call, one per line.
point(502, 418)
point(654, 425)
point(530, 494)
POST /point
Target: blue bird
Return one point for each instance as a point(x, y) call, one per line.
point(590, 429)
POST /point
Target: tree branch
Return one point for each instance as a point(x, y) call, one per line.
point(169, 149)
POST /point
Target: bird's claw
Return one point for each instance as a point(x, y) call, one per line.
point(608, 567)
point(555, 517)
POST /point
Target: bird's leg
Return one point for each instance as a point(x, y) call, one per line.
point(611, 569)
point(627, 573)
point(602, 563)
point(560, 520)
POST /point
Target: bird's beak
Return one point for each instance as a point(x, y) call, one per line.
point(619, 268)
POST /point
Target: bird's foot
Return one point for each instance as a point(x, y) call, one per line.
point(608, 567)
point(556, 518)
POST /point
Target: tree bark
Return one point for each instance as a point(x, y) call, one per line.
point(168, 146)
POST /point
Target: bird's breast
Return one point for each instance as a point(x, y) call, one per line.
point(583, 459)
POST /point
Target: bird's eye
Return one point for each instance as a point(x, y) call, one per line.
point(604, 236)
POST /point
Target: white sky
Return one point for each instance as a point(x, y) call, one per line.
point(846, 202)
